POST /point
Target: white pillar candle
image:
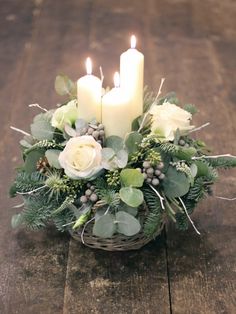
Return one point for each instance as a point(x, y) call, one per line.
point(131, 77)
point(116, 115)
point(89, 93)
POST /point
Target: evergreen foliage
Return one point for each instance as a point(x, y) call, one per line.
point(25, 182)
point(154, 218)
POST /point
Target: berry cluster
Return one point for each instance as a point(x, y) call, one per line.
point(97, 131)
point(183, 143)
point(152, 174)
point(89, 195)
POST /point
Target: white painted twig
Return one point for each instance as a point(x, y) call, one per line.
point(160, 87)
point(19, 130)
point(31, 192)
point(186, 212)
point(159, 195)
point(19, 205)
point(226, 198)
point(82, 233)
point(38, 106)
point(101, 74)
point(199, 128)
point(215, 156)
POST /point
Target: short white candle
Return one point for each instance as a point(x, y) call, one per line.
point(89, 92)
point(131, 77)
point(116, 115)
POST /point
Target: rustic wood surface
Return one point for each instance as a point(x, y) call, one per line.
point(191, 43)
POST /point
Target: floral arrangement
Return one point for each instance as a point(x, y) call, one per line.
point(74, 176)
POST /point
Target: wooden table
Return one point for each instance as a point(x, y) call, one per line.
point(193, 44)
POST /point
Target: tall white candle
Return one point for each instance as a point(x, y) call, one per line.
point(116, 114)
point(89, 92)
point(131, 77)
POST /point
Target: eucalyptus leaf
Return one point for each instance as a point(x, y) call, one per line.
point(127, 224)
point(115, 142)
point(64, 86)
point(175, 183)
point(80, 124)
point(121, 158)
point(52, 157)
point(186, 153)
point(31, 160)
point(108, 154)
point(202, 168)
point(193, 169)
point(128, 209)
point(132, 142)
point(16, 220)
point(131, 177)
point(105, 226)
point(41, 128)
point(131, 196)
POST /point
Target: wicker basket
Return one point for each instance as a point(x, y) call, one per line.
point(117, 242)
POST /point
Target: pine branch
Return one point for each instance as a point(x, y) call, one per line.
point(43, 144)
point(106, 195)
point(63, 219)
point(154, 218)
point(26, 182)
point(222, 162)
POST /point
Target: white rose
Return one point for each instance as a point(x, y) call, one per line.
point(167, 118)
point(66, 114)
point(81, 157)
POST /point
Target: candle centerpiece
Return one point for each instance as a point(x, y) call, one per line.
point(111, 183)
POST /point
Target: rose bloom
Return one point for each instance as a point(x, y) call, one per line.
point(167, 118)
point(81, 157)
point(66, 114)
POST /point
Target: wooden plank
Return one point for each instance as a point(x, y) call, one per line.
point(200, 268)
point(33, 265)
point(102, 282)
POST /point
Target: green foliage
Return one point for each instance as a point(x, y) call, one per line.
point(41, 128)
point(62, 219)
point(44, 144)
point(122, 222)
point(153, 156)
point(25, 182)
point(175, 184)
point(222, 162)
point(113, 179)
point(65, 86)
point(181, 221)
point(31, 160)
point(105, 226)
point(154, 218)
point(169, 148)
point(131, 196)
point(65, 204)
point(127, 224)
point(131, 177)
point(106, 195)
point(115, 142)
point(52, 157)
point(190, 108)
point(183, 167)
point(132, 142)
